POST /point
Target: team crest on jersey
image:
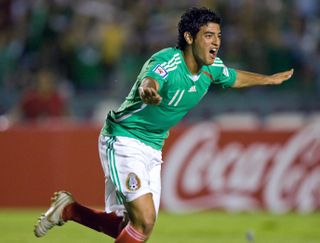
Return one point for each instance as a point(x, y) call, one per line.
point(133, 182)
point(161, 71)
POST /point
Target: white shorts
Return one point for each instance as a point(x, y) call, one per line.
point(131, 170)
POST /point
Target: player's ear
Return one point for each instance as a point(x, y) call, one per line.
point(188, 37)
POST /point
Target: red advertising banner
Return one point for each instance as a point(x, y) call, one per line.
point(206, 167)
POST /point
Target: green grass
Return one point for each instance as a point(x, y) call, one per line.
point(207, 227)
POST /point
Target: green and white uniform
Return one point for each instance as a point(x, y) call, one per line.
point(179, 89)
point(132, 138)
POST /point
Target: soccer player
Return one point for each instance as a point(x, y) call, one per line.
point(170, 83)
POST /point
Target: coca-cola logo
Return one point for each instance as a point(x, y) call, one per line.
point(200, 173)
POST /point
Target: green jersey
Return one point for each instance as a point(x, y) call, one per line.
point(179, 89)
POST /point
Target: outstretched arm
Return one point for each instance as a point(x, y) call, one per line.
point(247, 79)
point(148, 91)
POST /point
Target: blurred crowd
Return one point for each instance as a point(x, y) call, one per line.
point(57, 54)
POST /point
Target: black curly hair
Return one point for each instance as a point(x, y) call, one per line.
point(192, 20)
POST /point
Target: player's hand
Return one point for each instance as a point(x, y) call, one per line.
point(279, 78)
point(149, 96)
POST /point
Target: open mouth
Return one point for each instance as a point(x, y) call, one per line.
point(213, 52)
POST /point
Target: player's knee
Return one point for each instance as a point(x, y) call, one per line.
point(148, 225)
point(142, 214)
point(146, 222)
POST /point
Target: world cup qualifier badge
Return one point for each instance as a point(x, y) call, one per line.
point(161, 71)
point(133, 182)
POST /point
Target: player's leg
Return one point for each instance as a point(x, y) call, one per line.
point(131, 184)
point(107, 223)
point(131, 164)
point(142, 217)
point(64, 208)
point(143, 213)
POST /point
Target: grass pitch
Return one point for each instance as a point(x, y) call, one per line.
point(16, 226)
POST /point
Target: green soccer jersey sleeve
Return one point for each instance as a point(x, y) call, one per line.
point(222, 75)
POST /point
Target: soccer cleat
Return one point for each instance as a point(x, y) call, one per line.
point(53, 216)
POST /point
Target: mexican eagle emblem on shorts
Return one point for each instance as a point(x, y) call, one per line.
point(133, 182)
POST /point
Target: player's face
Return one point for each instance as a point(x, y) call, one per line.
point(206, 44)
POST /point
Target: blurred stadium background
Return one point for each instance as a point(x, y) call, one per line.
point(93, 51)
point(65, 63)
